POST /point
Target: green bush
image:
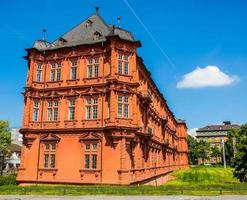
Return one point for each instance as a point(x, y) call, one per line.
point(8, 180)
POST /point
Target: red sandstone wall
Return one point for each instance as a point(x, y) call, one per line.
point(121, 158)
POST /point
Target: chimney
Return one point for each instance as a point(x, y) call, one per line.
point(43, 34)
point(97, 10)
point(227, 122)
point(118, 21)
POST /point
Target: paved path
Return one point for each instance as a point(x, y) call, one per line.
point(31, 197)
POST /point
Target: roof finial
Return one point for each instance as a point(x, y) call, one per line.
point(118, 21)
point(97, 10)
point(43, 34)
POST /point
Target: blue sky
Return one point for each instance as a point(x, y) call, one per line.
point(192, 33)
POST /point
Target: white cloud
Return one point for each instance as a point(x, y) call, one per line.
point(210, 76)
point(192, 132)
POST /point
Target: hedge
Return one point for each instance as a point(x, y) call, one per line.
point(8, 180)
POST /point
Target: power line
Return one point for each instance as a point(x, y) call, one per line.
point(149, 33)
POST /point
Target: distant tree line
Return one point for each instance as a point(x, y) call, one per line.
point(236, 152)
point(197, 150)
point(5, 141)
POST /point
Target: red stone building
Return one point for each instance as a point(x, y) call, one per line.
point(93, 114)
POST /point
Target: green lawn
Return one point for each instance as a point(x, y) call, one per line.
point(193, 181)
point(207, 179)
point(204, 175)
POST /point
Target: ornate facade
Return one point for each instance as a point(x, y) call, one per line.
point(93, 114)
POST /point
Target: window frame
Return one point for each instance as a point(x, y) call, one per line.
point(91, 108)
point(35, 117)
point(39, 70)
point(55, 72)
point(52, 110)
point(73, 69)
point(123, 64)
point(123, 106)
point(49, 154)
point(71, 109)
point(90, 155)
point(92, 67)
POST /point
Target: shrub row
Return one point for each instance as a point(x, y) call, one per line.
point(8, 180)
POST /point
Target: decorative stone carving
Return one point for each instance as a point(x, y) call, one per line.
point(90, 136)
point(49, 137)
point(28, 141)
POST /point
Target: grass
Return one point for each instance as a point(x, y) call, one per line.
point(203, 175)
point(207, 179)
point(193, 181)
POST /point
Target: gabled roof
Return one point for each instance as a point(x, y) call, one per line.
point(92, 30)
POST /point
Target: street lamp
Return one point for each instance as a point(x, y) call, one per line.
point(223, 149)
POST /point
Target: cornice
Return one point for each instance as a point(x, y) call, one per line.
point(78, 130)
point(79, 91)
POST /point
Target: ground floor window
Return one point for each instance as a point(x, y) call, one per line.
point(49, 152)
point(49, 160)
point(90, 155)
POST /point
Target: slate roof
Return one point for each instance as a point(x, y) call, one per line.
point(15, 148)
point(92, 30)
point(221, 127)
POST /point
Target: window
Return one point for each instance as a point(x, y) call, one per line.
point(90, 157)
point(108, 107)
point(35, 111)
point(52, 111)
point(123, 64)
point(89, 23)
point(92, 67)
point(49, 155)
point(46, 161)
point(73, 69)
point(92, 108)
point(52, 164)
point(55, 72)
point(87, 161)
point(87, 146)
point(52, 78)
point(150, 131)
point(123, 106)
point(94, 146)
point(126, 106)
point(71, 109)
point(46, 146)
point(39, 72)
point(94, 161)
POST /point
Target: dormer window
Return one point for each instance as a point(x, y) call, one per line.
point(62, 40)
point(88, 23)
point(97, 35)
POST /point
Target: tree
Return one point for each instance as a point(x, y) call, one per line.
point(197, 150)
point(192, 150)
point(5, 141)
point(203, 148)
point(5, 137)
point(215, 153)
point(241, 154)
point(230, 146)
